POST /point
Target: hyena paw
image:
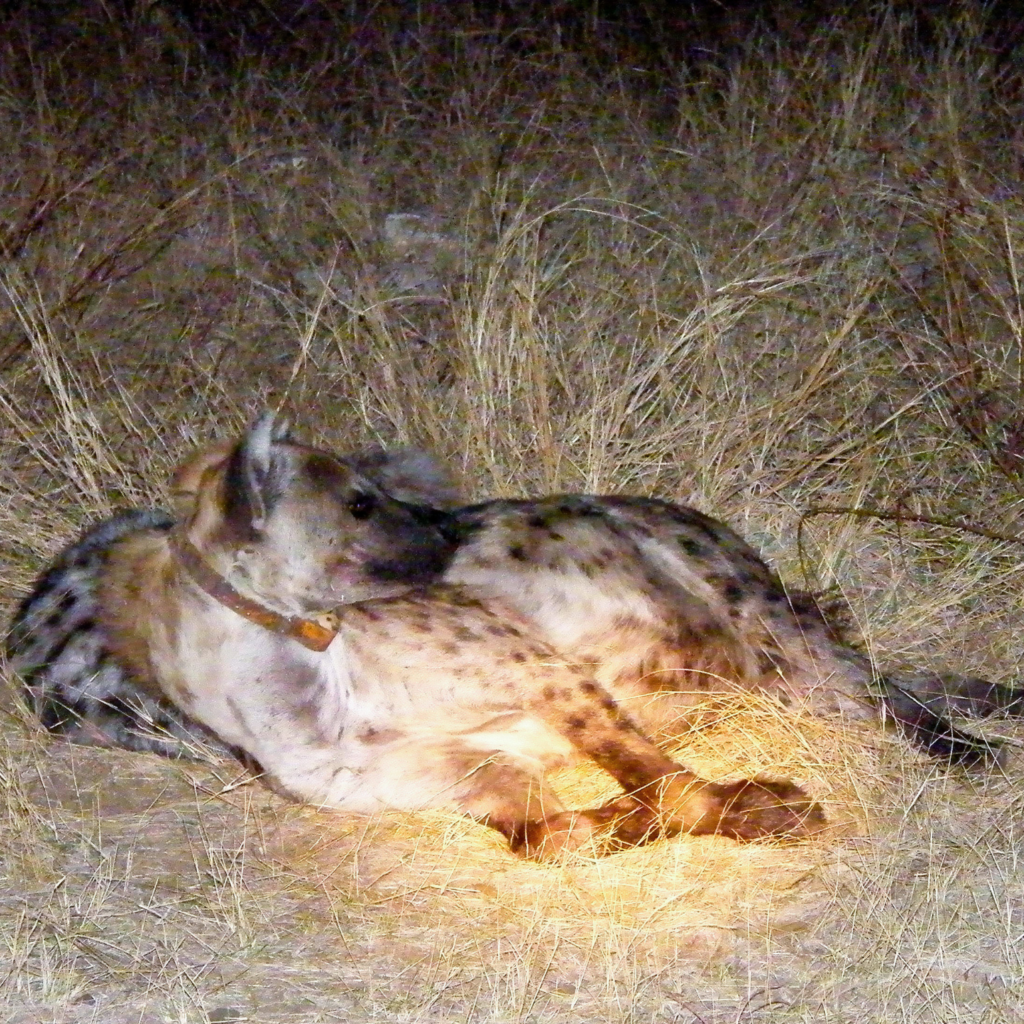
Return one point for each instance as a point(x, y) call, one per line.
point(747, 810)
point(754, 809)
point(618, 825)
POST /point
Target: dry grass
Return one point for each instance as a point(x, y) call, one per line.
point(783, 277)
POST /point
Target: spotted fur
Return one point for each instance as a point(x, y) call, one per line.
point(666, 606)
point(72, 682)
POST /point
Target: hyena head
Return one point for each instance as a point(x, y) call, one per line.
point(303, 531)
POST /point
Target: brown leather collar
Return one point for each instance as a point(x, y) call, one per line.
point(316, 634)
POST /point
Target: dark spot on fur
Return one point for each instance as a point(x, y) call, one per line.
point(377, 736)
point(706, 526)
point(458, 598)
point(465, 634)
point(692, 547)
point(325, 473)
point(541, 522)
point(548, 693)
point(733, 592)
point(576, 723)
point(69, 639)
point(64, 606)
point(589, 686)
point(518, 552)
point(518, 657)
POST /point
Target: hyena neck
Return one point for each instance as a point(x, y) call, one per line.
point(314, 633)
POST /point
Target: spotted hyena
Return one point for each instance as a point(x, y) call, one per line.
point(294, 613)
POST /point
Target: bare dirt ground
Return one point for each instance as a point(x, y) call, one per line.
point(775, 277)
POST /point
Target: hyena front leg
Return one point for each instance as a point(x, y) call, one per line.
point(662, 798)
point(501, 788)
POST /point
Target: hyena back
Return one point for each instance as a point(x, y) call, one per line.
point(425, 699)
point(666, 605)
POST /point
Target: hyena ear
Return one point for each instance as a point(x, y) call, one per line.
point(408, 474)
point(256, 472)
point(187, 478)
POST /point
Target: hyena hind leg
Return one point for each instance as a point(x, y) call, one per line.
point(513, 798)
point(748, 810)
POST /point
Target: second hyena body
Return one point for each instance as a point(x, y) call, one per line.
point(425, 699)
point(58, 648)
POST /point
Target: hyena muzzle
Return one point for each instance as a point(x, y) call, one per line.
point(281, 614)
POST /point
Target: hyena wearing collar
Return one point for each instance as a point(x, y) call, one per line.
point(283, 615)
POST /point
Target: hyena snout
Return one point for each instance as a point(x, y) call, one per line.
point(413, 545)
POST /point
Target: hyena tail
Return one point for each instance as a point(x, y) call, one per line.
point(919, 705)
point(966, 696)
point(56, 647)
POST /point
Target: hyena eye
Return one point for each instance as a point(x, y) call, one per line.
point(362, 505)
